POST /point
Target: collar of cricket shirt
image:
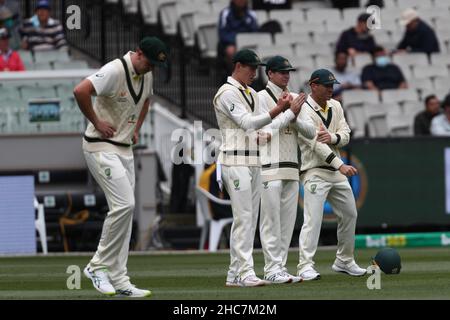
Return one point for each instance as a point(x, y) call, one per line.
point(276, 90)
point(245, 92)
point(316, 106)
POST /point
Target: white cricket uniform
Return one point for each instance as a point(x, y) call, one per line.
point(280, 176)
point(121, 94)
point(241, 169)
point(322, 181)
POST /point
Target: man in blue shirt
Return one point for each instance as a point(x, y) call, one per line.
point(356, 39)
point(382, 74)
point(234, 19)
point(419, 36)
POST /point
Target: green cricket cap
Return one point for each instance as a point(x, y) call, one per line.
point(248, 57)
point(154, 50)
point(323, 76)
point(279, 63)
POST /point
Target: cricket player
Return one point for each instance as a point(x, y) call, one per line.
point(122, 89)
point(280, 174)
point(234, 104)
point(324, 176)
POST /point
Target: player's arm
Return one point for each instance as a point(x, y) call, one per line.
point(324, 153)
point(305, 125)
point(339, 138)
point(101, 83)
point(140, 120)
point(234, 108)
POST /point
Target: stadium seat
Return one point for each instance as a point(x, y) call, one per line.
point(261, 16)
point(356, 118)
point(39, 66)
point(361, 60)
point(304, 27)
point(253, 40)
point(9, 93)
point(350, 15)
point(412, 107)
point(74, 64)
point(399, 126)
point(215, 227)
point(329, 38)
point(335, 26)
point(359, 97)
point(324, 15)
point(287, 17)
point(414, 3)
point(421, 85)
point(149, 11)
point(430, 72)
point(440, 59)
point(26, 56)
point(313, 49)
point(411, 59)
point(37, 92)
point(291, 38)
point(442, 83)
point(207, 36)
point(304, 62)
point(186, 12)
point(168, 16)
point(50, 56)
point(399, 95)
point(265, 52)
point(218, 5)
point(130, 6)
point(324, 62)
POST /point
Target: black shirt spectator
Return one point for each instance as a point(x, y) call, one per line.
point(422, 121)
point(419, 36)
point(382, 74)
point(356, 39)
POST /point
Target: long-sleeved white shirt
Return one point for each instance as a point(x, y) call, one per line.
point(319, 158)
point(440, 126)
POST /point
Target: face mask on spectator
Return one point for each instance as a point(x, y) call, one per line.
point(382, 61)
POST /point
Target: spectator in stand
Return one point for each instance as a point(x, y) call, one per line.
point(41, 32)
point(357, 39)
point(9, 59)
point(440, 125)
point(422, 121)
point(419, 36)
point(10, 19)
point(382, 74)
point(234, 19)
point(348, 79)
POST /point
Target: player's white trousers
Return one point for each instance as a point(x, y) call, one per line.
point(341, 198)
point(244, 187)
point(115, 175)
point(279, 200)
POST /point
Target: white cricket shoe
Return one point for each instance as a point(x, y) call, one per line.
point(309, 274)
point(294, 279)
point(100, 280)
point(133, 292)
point(352, 268)
point(278, 277)
point(249, 281)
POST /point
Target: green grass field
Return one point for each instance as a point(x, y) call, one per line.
point(425, 275)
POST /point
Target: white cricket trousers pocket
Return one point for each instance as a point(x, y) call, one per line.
point(341, 198)
point(115, 175)
point(244, 187)
point(279, 201)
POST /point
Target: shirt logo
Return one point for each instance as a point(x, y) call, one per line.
point(232, 107)
point(266, 185)
point(108, 173)
point(161, 57)
point(313, 188)
point(236, 184)
point(100, 75)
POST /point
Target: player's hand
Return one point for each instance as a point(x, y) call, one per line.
point(263, 137)
point(105, 128)
point(296, 105)
point(347, 170)
point(135, 137)
point(323, 135)
point(284, 101)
